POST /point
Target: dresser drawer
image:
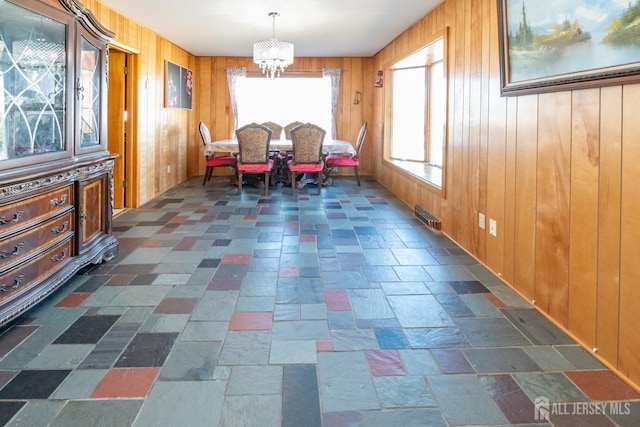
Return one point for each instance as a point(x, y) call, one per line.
point(20, 213)
point(20, 279)
point(20, 246)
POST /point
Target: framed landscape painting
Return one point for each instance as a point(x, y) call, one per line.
point(567, 44)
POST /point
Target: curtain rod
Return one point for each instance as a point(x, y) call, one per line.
point(298, 70)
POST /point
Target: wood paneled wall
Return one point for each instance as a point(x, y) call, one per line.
point(557, 171)
point(163, 137)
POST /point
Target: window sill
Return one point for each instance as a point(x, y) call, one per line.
point(429, 174)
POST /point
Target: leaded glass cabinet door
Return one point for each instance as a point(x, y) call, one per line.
point(33, 74)
point(89, 96)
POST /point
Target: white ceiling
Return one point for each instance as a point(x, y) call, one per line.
point(317, 28)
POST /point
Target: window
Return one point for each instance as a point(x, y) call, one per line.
point(284, 100)
point(418, 113)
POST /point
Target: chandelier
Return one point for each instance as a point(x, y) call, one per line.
point(273, 55)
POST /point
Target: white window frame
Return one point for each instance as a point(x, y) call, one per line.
point(425, 155)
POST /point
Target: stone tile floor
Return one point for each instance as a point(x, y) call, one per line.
point(300, 310)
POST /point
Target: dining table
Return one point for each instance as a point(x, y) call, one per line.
point(329, 146)
point(280, 171)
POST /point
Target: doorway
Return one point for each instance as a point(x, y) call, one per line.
point(121, 126)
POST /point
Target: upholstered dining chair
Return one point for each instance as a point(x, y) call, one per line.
point(276, 129)
point(306, 140)
point(214, 161)
point(276, 133)
point(253, 144)
point(344, 160)
point(287, 129)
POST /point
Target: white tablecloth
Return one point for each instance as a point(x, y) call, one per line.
point(329, 146)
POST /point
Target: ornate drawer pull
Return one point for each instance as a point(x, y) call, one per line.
point(16, 251)
point(62, 256)
point(16, 217)
point(58, 202)
point(16, 283)
point(57, 230)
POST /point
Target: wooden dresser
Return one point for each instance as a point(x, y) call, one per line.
point(55, 171)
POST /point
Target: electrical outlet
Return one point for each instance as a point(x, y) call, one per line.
point(168, 168)
point(493, 227)
point(481, 220)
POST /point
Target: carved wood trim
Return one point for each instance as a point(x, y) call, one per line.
point(88, 20)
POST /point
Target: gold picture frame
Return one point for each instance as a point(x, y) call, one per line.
point(594, 44)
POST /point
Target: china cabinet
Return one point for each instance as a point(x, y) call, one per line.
point(55, 171)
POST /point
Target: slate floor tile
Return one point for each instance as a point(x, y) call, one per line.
point(80, 384)
point(354, 339)
point(508, 395)
point(191, 361)
point(57, 356)
point(602, 385)
point(426, 417)
point(33, 384)
point(403, 392)
point(554, 386)
point(87, 330)
point(504, 359)
point(464, 400)
point(579, 357)
point(419, 311)
point(73, 300)
point(300, 397)
point(9, 409)
point(252, 411)
point(254, 380)
point(468, 287)
point(147, 350)
point(251, 321)
point(493, 331)
point(119, 412)
point(436, 338)
point(454, 305)
point(452, 361)
point(126, 383)
point(337, 300)
point(14, 336)
point(345, 382)
point(6, 376)
point(391, 338)
point(245, 348)
point(536, 327)
point(385, 363)
point(292, 352)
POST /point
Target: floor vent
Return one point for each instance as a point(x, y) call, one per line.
point(428, 218)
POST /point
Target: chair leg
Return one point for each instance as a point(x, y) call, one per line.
point(266, 182)
point(239, 181)
point(319, 182)
point(355, 169)
point(293, 181)
point(207, 174)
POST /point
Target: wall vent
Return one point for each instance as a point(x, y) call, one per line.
point(428, 218)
